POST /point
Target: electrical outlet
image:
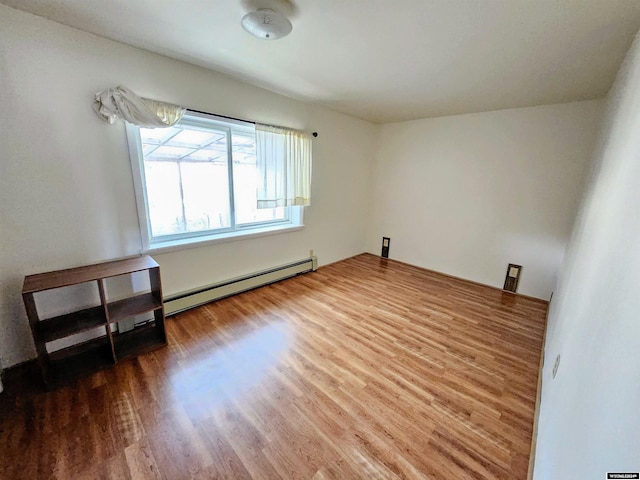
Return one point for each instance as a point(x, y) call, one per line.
point(386, 242)
point(556, 365)
point(311, 253)
point(512, 278)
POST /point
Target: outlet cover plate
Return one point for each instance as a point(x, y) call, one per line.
point(556, 365)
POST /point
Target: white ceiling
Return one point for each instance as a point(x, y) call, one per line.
point(384, 60)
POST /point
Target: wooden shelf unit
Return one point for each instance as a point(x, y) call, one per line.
point(89, 356)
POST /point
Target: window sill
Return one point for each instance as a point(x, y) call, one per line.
point(196, 242)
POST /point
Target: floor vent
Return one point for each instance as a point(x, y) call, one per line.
point(183, 301)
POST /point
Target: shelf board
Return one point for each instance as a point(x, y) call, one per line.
point(128, 307)
point(137, 341)
point(79, 360)
point(88, 273)
point(64, 325)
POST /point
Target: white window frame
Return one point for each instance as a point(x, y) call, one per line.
point(293, 215)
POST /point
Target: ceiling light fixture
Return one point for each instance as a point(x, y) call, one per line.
point(267, 24)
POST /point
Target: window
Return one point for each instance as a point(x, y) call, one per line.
point(199, 179)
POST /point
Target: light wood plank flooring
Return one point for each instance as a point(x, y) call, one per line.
point(367, 369)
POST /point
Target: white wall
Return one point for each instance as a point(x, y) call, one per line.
point(589, 417)
point(466, 195)
point(66, 193)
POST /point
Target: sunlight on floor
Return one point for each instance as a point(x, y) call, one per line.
point(230, 371)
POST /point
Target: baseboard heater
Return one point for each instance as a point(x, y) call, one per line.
point(185, 300)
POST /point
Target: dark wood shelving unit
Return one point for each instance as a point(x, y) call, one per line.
point(134, 342)
point(123, 309)
point(78, 360)
point(85, 357)
point(64, 325)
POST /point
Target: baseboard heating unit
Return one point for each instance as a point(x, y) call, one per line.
point(185, 300)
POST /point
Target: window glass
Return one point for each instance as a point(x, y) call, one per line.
point(199, 177)
point(163, 197)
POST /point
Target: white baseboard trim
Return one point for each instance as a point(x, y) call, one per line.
point(185, 300)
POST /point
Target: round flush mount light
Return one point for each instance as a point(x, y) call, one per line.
point(266, 24)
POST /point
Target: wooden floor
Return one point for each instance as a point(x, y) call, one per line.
point(366, 369)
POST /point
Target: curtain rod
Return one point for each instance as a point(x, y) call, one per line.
point(315, 134)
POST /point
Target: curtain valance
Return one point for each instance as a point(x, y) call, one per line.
point(120, 102)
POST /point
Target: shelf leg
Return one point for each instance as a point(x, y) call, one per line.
point(103, 300)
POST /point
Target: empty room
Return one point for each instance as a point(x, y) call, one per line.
point(319, 239)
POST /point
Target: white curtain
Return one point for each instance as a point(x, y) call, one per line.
point(120, 102)
point(284, 167)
